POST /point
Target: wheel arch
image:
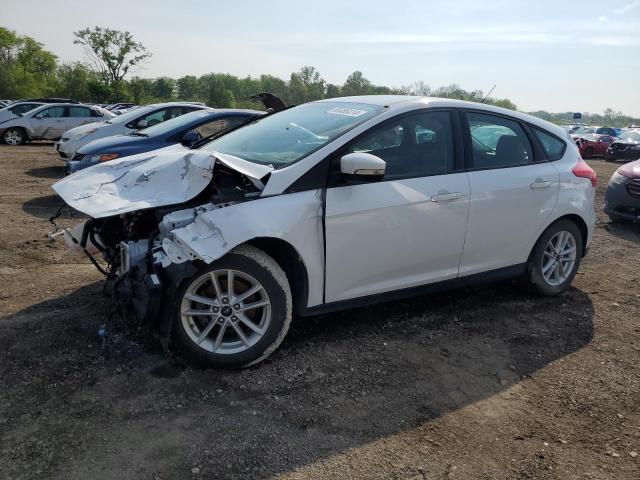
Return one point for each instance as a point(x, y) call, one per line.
point(290, 260)
point(577, 220)
point(24, 130)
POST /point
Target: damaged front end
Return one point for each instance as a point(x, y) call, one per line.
point(135, 208)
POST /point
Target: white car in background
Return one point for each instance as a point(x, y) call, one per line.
point(329, 205)
point(135, 119)
point(49, 122)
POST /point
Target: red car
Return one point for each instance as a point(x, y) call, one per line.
point(593, 145)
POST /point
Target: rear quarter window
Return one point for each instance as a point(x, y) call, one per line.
point(552, 145)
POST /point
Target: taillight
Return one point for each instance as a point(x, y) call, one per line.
point(583, 170)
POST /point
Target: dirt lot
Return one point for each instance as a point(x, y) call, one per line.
point(482, 383)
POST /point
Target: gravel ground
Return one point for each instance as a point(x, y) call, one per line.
point(477, 383)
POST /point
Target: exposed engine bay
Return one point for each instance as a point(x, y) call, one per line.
point(138, 268)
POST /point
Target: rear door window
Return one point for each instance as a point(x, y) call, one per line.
point(82, 112)
point(498, 142)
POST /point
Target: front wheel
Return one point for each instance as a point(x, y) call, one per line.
point(555, 258)
point(14, 136)
point(234, 312)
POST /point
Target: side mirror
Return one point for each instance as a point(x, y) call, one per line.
point(141, 124)
point(362, 167)
point(189, 138)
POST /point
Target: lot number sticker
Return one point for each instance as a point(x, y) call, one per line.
point(349, 112)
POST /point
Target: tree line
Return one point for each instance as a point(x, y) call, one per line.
point(28, 70)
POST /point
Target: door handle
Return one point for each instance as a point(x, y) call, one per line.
point(59, 121)
point(443, 197)
point(540, 183)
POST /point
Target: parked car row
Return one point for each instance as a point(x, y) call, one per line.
point(180, 132)
point(611, 143)
point(131, 122)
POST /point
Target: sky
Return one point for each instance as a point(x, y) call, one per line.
point(543, 55)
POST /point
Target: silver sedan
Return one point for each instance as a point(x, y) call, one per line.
point(48, 122)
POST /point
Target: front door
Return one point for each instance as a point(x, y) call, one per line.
point(408, 229)
point(49, 123)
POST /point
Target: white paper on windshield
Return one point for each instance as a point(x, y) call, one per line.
point(349, 112)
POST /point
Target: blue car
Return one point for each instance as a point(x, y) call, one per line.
point(181, 132)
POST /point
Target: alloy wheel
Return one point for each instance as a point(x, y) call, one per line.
point(225, 311)
point(13, 137)
point(559, 258)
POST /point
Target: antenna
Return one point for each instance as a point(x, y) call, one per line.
point(487, 96)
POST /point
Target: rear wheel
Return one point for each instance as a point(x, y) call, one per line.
point(588, 153)
point(555, 258)
point(14, 136)
point(234, 312)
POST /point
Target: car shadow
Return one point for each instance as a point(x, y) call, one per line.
point(339, 381)
point(38, 143)
point(47, 206)
point(46, 172)
point(625, 231)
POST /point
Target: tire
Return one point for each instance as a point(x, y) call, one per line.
point(252, 269)
point(588, 153)
point(14, 136)
point(538, 277)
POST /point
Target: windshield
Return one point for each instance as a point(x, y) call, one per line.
point(288, 136)
point(175, 123)
point(130, 115)
point(633, 136)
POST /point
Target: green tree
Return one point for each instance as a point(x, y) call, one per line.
point(188, 88)
point(356, 84)
point(72, 81)
point(112, 53)
point(163, 88)
point(26, 68)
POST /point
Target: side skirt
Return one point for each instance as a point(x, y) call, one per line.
point(499, 274)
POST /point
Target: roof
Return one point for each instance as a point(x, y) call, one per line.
point(406, 102)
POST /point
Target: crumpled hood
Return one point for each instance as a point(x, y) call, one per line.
point(147, 180)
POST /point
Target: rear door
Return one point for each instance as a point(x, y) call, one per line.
point(407, 229)
point(513, 192)
point(79, 116)
point(50, 123)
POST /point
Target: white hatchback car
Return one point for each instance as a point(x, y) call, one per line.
point(329, 205)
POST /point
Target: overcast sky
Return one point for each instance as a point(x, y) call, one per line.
point(551, 55)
